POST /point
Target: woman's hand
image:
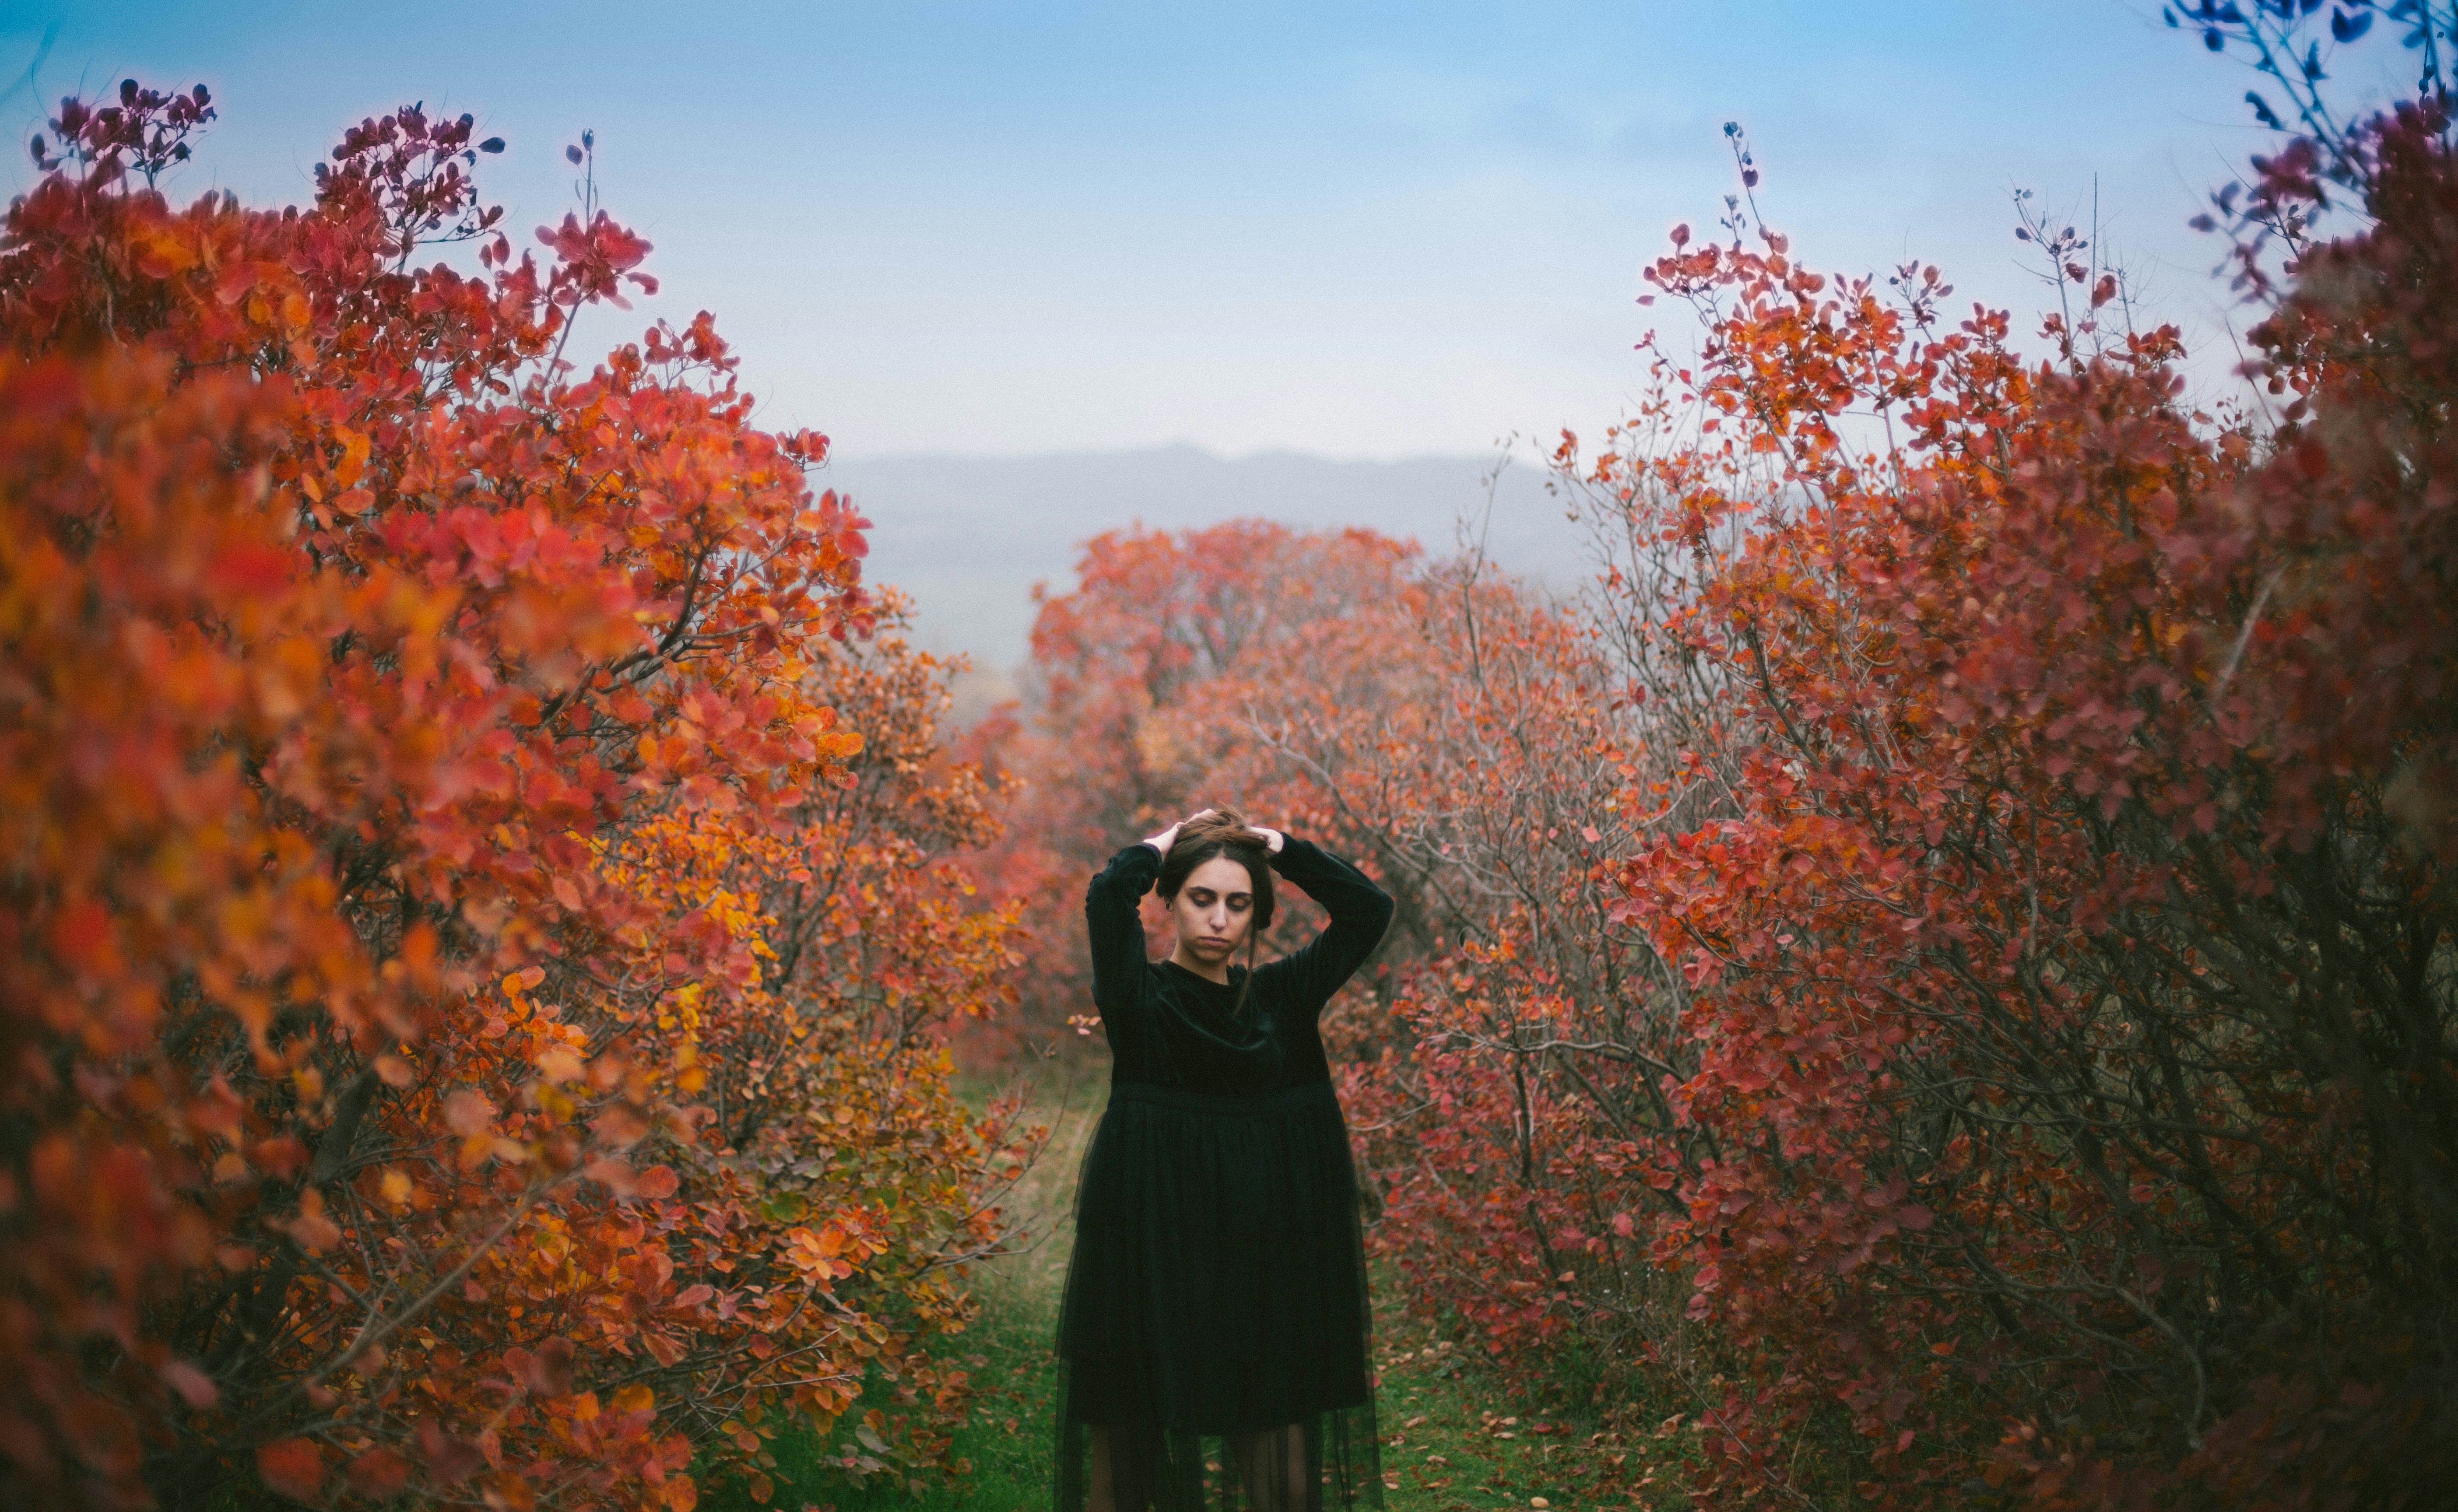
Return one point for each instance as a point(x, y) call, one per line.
point(1272, 838)
point(1167, 838)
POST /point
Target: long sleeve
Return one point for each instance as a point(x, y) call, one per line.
point(1116, 929)
point(1360, 912)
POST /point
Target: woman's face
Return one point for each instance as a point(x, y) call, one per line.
point(1213, 911)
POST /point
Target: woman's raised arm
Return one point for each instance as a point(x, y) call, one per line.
point(1112, 923)
point(1360, 912)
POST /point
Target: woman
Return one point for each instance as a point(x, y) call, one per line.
point(1215, 1322)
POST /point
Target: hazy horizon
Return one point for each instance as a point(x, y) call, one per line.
point(967, 536)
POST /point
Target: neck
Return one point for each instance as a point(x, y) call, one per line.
point(1220, 973)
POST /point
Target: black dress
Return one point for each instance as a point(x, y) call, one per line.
point(1215, 1322)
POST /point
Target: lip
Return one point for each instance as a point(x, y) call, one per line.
point(1217, 944)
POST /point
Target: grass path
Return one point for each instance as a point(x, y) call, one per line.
point(1449, 1444)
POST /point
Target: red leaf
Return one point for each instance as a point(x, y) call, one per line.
point(81, 933)
point(250, 570)
point(467, 1112)
point(310, 1227)
point(549, 1371)
point(195, 1387)
point(380, 1474)
point(292, 1467)
point(450, 1460)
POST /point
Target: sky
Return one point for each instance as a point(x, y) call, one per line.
point(1356, 231)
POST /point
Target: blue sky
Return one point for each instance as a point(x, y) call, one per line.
point(1358, 230)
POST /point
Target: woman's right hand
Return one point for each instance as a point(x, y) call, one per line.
point(1167, 838)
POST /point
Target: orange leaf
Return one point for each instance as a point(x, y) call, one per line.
point(314, 1231)
point(617, 1177)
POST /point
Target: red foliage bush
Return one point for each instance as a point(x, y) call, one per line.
point(2066, 1049)
point(469, 994)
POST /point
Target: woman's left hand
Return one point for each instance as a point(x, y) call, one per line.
point(1272, 838)
point(1167, 838)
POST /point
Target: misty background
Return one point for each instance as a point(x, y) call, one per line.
point(968, 537)
point(1043, 268)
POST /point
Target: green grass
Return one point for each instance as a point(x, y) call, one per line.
point(1451, 1439)
point(1454, 1436)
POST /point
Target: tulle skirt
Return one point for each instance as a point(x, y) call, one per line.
point(1213, 1338)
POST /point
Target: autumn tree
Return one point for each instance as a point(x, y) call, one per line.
point(2068, 976)
point(1103, 753)
point(468, 989)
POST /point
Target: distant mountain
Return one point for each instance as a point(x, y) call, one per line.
point(970, 536)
